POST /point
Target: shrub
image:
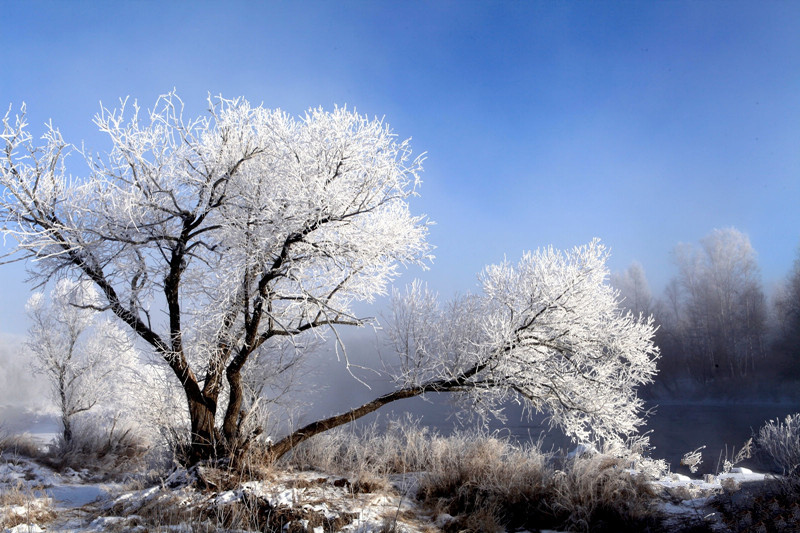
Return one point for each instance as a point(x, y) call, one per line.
point(773, 505)
point(781, 442)
point(520, 487)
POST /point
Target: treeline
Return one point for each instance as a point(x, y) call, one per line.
point(720, 335)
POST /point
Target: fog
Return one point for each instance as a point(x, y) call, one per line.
point(19, 387)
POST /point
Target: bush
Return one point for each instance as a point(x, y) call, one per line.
point(491, 482)
point(780, 441)
point(773, 505)
point(24, 445)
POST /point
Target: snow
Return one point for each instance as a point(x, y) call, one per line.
point(76, 495)
point(582, 449)
point(93, 507)
point(25, 528)
point(737, 475)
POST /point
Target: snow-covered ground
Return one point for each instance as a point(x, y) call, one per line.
point(44, 500)
point(692, 497)
point(48, 501)
point(35, 498)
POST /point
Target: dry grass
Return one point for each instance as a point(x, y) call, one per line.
point(404, 446)
point(597, 493)
point(487, 483)
point(490, 484)
point(103, 453)
point(23, 445)
point(21, 504)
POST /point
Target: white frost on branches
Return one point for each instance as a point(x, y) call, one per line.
point(245, 226)
point(90, 363)
point(548, 331)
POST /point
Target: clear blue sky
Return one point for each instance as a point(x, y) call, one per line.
point(643, 123)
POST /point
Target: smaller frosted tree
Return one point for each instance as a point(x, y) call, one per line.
point(73, 347)
point(548, 332)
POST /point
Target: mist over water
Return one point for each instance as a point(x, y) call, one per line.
point(674, 428)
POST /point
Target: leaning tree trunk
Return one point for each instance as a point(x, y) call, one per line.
point(286, 444)
point(283, 446)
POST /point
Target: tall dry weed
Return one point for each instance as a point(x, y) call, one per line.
point(23, 504)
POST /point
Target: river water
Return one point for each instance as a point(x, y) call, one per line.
point(675, 429)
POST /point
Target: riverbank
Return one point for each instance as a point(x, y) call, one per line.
point(405, 478)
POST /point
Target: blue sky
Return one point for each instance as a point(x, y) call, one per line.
point(643, 123)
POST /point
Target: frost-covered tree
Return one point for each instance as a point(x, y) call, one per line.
point(718, 305)
point(80, 353)
point(634, 289)
point(242, 227)
point(787, 314)
point(548, 331)
point(249, 227)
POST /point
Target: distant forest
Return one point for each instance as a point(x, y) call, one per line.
point(720, 336)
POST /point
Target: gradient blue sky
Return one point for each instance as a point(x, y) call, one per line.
point(643, 123)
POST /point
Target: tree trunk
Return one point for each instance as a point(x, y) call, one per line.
point(283, 446)
point(204, 437)
point(230, 426)
point(65, 420)
point(66, 415)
